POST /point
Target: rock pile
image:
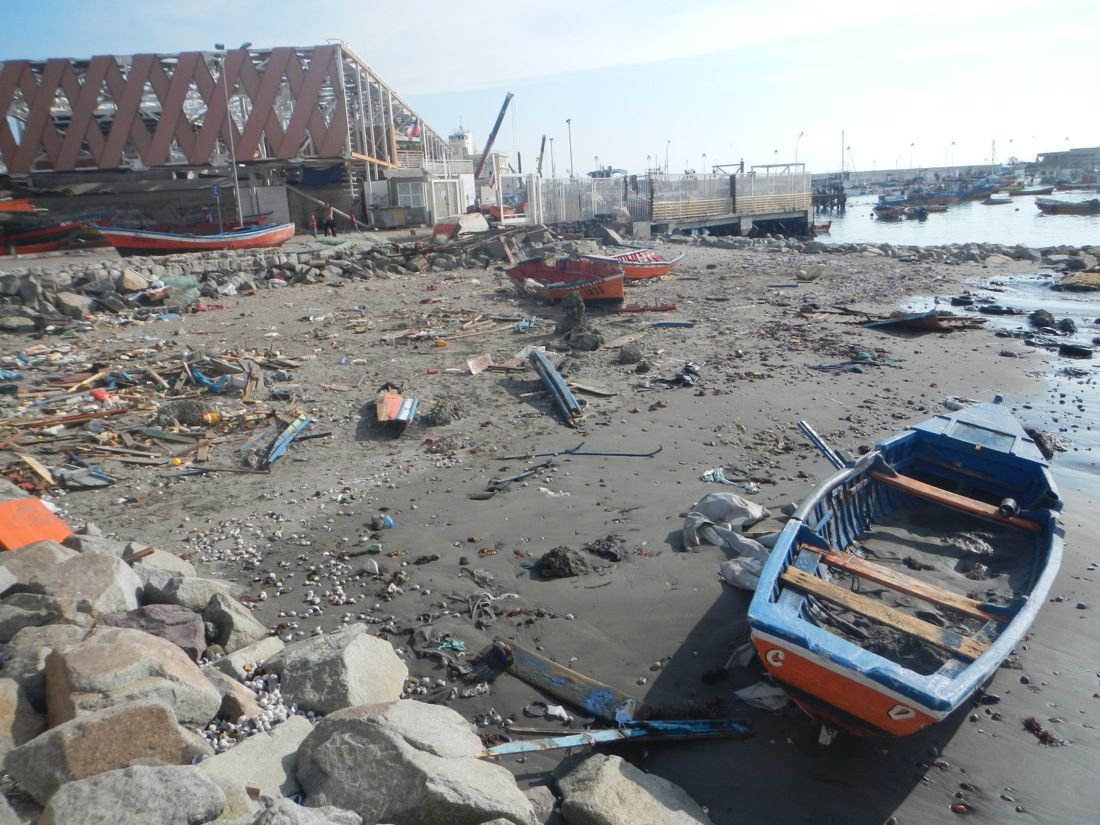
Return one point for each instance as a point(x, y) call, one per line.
point(34, 297)
point(158, 697)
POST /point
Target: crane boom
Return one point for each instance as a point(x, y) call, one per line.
point(542, 151)
point(492, 136)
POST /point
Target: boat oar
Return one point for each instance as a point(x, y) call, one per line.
point(822, 447)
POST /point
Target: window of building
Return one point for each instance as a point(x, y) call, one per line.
point(410, 194)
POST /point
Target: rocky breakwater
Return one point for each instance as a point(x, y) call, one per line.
point(1061, 259)
point(70, 289)
point(157, 697)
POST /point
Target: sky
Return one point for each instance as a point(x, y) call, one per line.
point(881, 84)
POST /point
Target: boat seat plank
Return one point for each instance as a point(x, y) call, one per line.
point(902, 583)
point(877, 611)
point(959, 502)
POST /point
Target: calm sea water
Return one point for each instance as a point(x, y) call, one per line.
point(1020, 222)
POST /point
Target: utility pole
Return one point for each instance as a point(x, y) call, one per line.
point(553, 168)
point(569, 126)
point(222, 54)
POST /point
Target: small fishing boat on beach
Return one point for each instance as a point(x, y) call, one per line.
point(130, 242)
point(592, 280)
point(638, 263)
point(1054, 206)
point(955, 523)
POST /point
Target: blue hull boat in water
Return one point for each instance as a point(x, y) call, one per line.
point(905, 580)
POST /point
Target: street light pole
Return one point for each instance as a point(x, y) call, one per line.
point(667, 144)
point(800, 134)
point(222, 54)
point(569, 125)
point(553, 169)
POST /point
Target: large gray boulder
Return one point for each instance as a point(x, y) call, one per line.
point(423, 768)
point(159, 566)
point(605, 790)
point(24, 564)
point(192, 592)
point(21, 610)
point(7, 815)
point(27, 653)
point(139, 795)
point(170, 622)
point(242, 663)
point(236, 628)
point(73, 304)
point(285, 812)
point(101, 584)
point(96, 544)
point(339, 670)
point(115, 737)
point(261, 765)
point(115, 665)
point(19, 721)
point(237, 700)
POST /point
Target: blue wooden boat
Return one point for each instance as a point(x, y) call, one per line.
point(912, 646)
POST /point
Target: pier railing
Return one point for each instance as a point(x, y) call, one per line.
point(670, 198)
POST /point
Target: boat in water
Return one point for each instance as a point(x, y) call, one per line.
point(951, 531)
point(1054, 206)
point(822, 228)
point(592, 280)
point(638, 263)
point(1033, 190)
point(889, 213)
point(130, 242)
point(997, 200)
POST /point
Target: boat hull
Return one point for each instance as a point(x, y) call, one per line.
point(592, 280)
point(840, 697)
point(130, 242)
point(1050, 206)
point(866, 690)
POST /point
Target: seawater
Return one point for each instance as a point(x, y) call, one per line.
point(1069, 410)
point(1019, 222)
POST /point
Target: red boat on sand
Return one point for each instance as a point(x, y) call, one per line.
point(638, 263)
point(593, 280)
point(142, 242)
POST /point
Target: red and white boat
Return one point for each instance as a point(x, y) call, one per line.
point(143, 242)
point(592, 280)
point(638, 263)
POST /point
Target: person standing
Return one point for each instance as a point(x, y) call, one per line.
point(330, 221)
point(313, 225)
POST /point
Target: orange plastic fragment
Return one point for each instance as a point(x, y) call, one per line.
point(27, 520)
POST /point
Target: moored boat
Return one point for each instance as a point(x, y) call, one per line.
point(1033, 190)
point(638, 263)
point(997, 200)
point(822, 228)
point(592, 280)
point(1054, 206)
point(889, 213)
point(961, 498)
point(143, 242)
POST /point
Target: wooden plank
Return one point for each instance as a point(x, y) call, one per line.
point(902, 583)
point(576, 689)
point(953, 500)
point(873, 609)
point(39, 468)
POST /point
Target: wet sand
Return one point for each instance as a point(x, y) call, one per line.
point(659, 621)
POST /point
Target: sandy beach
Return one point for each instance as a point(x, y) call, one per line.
point(659, 623)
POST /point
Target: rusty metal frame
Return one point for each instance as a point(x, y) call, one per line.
point(285, 105)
